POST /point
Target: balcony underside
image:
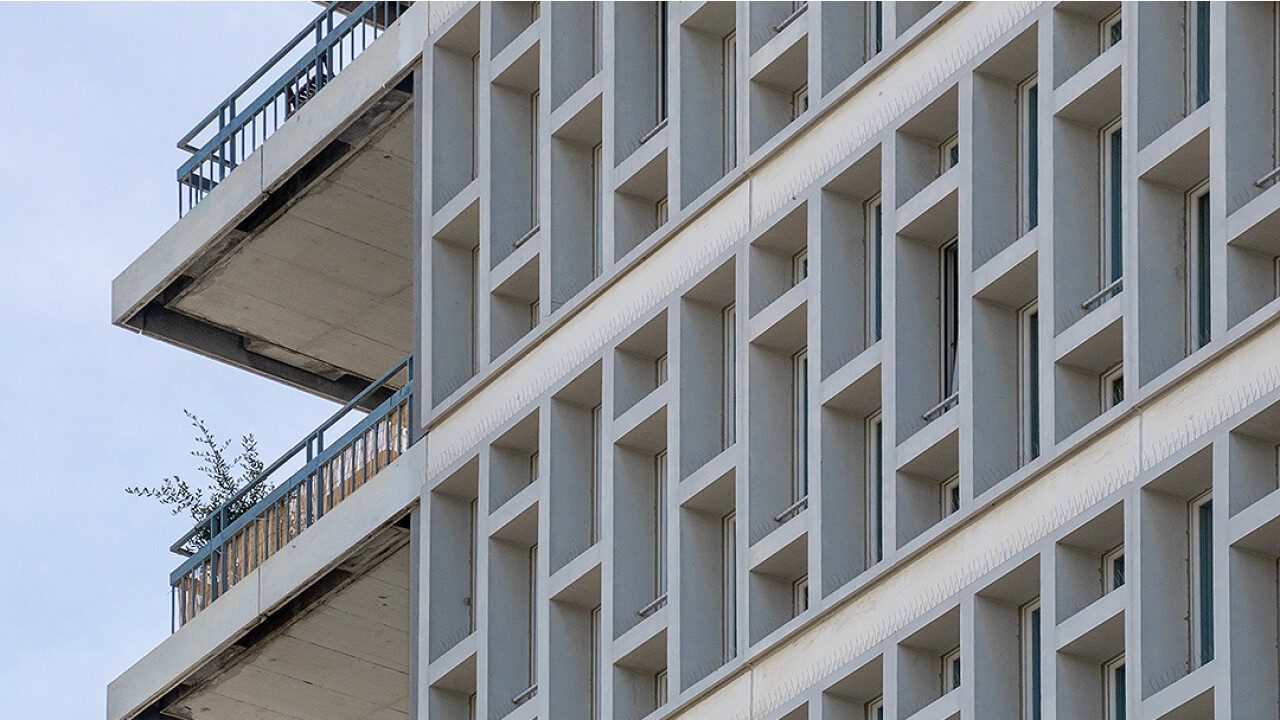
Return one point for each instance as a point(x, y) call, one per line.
point(299, 264)
point(345, 657)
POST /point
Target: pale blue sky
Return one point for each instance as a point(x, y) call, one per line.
point(95, 96)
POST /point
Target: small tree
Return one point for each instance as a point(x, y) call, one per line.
point(224, 477)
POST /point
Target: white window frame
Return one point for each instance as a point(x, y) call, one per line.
point(874, 488)
point(873, 24)
point(597, 660)
point(1106, 273)
point(949, 495)
point(535, 100)
point(1109, 560)
point(729, 102)
point(660, 370)
point(661, 71)
point(660, 690)
point(597, 38)
point(874, 710)
point(1028, 382)
point(473, 559)
point(1195, 293)
point(1028, 152)
point(949, 318)
point(1198, 611)
point(1107, 388)
point(950, 663)
point(475, 115)
point(1115, 710)
point(535, 314)
point(1104, 31)
point(800, 426)
point(533, 615)
point(660, 521)
point(534, 471)
point(729, 376)
point(800, 101)
point(1193, 56)
point(597, 209)
point(800, 266)
point(661, 212)
point(800, 596)
point(729, 585)
point(946, 149)
point(873, 243)
point(1032, 645)
point(597, 473)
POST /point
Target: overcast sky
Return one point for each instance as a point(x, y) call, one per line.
point(94, 99)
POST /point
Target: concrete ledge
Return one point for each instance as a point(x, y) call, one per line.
point(279, 579)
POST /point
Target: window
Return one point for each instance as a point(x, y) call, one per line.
point(951, 671)
point(533, 467)
point(875, 30)
point(1031, 700)
point(729, 584)
point(661, 69)
point(1111, 251)
point(534, 183)
point(873, 213)
point(660, 370)
point(799, 101)
point(1113, 687)
point(597, 472)
point(729, 49)
point(875, 489)
point(799, 596)
point(475, 116)
point(476, 284)
point(949, 495)
point(1198, 268)
point(535, 314)
point(949, 272)
point(1028, 155)
point(875, 708)
point(597, 654)
point(1112, 387)
point(1197, 54)
point(660, 525)
point(1113, 569)
point(597, 39)
point(800, 426)
point(660, 212)
point(1111, 32)
point(473, 550)
point(1201, 580)
point(533, 617)
point(949, 154)
point(729, 372)
point(597, 210)
point(660, 688)
point(1029, 381)
point(800, 266)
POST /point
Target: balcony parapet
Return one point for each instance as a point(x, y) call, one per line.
point(232, 131)
point(226, 546)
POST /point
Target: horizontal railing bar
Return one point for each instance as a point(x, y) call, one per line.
point(292, 452)
point(937, 410)
point(253, 513)
point(306, 32)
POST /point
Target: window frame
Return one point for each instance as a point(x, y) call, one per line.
point(800, 425)
point(660, 524)
point(729, 375)
point(729, 99)
point(1029, 382)
point(948, 153)
point(1110, 560)
point(800, 596)
point(1028, 155)
point(874, 709)
point(949, 318)
point(1106, 31)
point(597, 473)
point(951, 670)
point(800, 101)
point(535, 169)
point(1032, 666)
point(1107, 379)
point(873, 243)
point(1111, 217)
point(874, 30)
point(597, 210)
point(874, 488)
point(1200, 554)
point(949, 496)
point(1199, 247)
point(1115, 692)
point(1198, 54)
point(729, 585)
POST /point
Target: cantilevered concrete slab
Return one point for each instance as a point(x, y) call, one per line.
point(298, 265)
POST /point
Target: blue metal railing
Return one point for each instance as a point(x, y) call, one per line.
point(232, 131)
point(226, 546)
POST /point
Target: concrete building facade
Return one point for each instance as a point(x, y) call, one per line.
point(760, 360)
